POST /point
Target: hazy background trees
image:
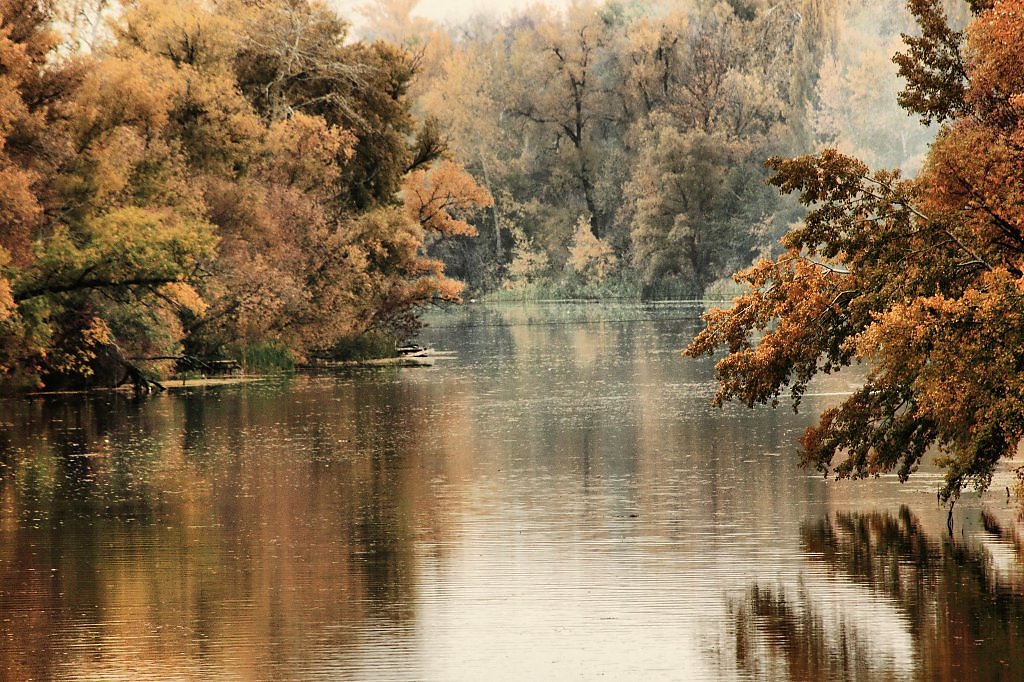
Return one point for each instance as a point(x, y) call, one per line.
point(650, 121)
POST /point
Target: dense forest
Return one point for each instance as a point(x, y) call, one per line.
point(209, 179)
point(262, 181)
point(624, 143)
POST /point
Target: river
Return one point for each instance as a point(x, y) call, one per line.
point(553, 498)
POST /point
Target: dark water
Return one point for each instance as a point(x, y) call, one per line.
point(552, 499)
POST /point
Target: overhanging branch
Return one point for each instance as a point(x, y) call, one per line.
point(93, 283)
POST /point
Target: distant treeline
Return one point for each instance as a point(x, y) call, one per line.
point(624, 142)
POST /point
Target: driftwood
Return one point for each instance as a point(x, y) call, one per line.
point(141, 384)
point(206, 367)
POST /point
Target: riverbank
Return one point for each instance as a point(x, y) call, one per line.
point(203, 382)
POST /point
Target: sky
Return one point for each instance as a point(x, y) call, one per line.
point(463, 9)
point(450, 10)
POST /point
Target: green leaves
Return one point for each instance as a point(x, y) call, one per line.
point(126, 249)
point(933, 66)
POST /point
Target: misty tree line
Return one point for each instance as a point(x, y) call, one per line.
point(624, 142)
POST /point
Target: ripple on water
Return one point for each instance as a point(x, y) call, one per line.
point(553, 499)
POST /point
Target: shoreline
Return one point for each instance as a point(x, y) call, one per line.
point(422, 358)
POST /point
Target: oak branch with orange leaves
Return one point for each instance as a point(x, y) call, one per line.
point(920, 279)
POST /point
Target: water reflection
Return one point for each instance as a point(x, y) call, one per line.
point(943, 606)
point(204, 533)
point(779, 638)
point(553, 499)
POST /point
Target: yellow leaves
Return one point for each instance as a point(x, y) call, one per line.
point(114, 156)
point(7, 306)
point(141, 234)
point(139, 91)
point(125, 249)
point(12, 108)
point(96, 334)
point(185, 32)
point(393, 20)
point(304, 151)
point(393, 275)
point(651, 48)
point(216, 126)
point(185, 296)
point(134, 163)
point(19, 209)
point(77, 354)
point(148, 94)
point(751, 100)
point(464, 99)
point(6, 299)
point(438, 198)
point(592, 258)
point(528, 261)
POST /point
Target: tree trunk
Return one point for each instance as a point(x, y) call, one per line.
point(494, 210)
point(140, 384)
point(588, 198)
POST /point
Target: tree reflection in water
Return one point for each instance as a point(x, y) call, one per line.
point(962, 615)
point(210, 535)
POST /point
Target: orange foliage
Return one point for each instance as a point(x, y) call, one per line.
point(6, 298)
point(922, 280)
point(588, 255)
point(171, 192)
point(436, 198)
point(19, 206)
point(304, 152)
point(19, 210)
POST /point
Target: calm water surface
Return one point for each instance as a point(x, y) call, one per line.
point(552, 499)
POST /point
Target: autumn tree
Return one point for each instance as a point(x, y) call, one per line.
point(919, 279)
point(562, 115)
point(98, 246)
point(343, 150)
point(295, 58)
point(23, 49)
point(393, 21)
point(206, 176)
point(699, 210)
point(464, 96)
point(591, 258)
point(24, 45)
